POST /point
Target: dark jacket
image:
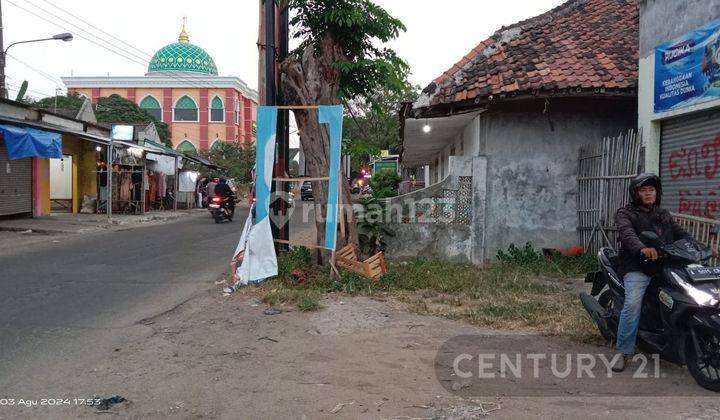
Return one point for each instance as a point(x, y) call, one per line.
point(223, 190)
point(633, 219)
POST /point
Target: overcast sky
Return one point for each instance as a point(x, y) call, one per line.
point(439, 33)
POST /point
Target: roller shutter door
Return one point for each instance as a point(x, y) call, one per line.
point(15, 184)
point(690, 164)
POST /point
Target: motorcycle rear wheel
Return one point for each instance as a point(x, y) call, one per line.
point(704, 369)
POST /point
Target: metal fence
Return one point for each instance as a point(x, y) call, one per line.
point(604, 173)
point(703, 230)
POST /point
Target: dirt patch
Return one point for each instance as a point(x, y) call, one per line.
point(359, 358)
point(343, 316)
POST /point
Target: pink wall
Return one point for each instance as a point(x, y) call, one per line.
point(203, 118)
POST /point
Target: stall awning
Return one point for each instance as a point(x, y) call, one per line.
point(162, 149)
point(202, 161)
point(24, 142)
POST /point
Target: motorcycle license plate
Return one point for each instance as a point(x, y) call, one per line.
point(214, 206)
point(704, 274)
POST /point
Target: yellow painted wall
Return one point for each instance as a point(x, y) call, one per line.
point(84, 168)
point(43, 179)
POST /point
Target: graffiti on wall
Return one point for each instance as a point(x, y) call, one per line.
point(697, 163)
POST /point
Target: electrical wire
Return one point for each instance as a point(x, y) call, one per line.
point(95, 27)
point(37, 70)
point(130, 58)
point(14, 86)
point(143, 56)
point(87, 33)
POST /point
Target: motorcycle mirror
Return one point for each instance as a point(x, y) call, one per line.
point(651, 238)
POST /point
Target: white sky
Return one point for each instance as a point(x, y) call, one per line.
point(439, 33)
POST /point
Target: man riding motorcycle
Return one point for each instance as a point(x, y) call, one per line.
point(638, 261)
point(223, 190)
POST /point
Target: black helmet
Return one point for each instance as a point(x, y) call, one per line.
point(642, 180)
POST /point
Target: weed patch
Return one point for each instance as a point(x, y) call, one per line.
point(531, 293)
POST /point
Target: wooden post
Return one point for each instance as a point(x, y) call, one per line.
point(341, 209)
point(177, 183)
point(142, 190)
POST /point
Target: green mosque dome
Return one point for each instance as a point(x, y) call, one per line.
point(182, 56)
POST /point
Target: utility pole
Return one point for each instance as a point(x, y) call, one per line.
point(108, 201)
point(270, 94)
point(274, 31)
point(271, 99)
point(283, 137)
point(3, 88)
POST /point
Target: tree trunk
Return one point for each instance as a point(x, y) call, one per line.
point(314, 80)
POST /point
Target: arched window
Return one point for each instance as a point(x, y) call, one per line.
point(185, 110)
point(217, 111)
point(186, 147)
point(152, 107)
point(217, 144)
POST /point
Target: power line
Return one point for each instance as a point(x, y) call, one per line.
point(148, 56)
point(100, 45)
point(95, 27)
point(144, 57)
point(37, 70)
point(14, 86)
point(79, 35)
point(88, 33)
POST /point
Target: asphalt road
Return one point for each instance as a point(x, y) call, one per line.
point(70, 300)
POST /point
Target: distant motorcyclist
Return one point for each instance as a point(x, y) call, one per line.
point(638, 261)
point(223, 190)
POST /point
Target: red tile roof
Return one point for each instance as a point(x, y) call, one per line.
point(580, 45)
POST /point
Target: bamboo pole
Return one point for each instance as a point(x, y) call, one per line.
point(341, 209)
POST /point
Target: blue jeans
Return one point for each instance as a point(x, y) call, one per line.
point(635, 285)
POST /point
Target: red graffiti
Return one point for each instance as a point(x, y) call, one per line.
point(698, 161)
point(698, 203)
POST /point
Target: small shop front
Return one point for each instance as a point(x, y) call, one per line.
point(680, 118)
point(24, 184)
point(72, 177)
point(16, 181)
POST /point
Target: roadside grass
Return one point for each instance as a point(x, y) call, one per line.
point(535, 295)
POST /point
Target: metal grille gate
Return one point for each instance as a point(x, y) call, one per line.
point(15, 184)
point(690, 164)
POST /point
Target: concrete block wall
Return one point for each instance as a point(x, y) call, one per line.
point(416, 238)
point(531, 174)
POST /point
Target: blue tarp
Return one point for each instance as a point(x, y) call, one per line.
point(24, 142)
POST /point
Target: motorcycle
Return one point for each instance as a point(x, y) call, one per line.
point(220, 208)
point(680, 316)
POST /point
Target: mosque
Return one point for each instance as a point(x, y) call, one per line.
point(182, 88)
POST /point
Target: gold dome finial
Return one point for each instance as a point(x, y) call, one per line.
point(184, 38)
